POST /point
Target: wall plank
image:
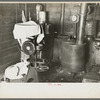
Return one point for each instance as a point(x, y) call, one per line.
point(3, 67)
point(9, 58)
point(9, 53)
point(7, 44)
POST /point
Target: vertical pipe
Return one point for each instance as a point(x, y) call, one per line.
point(45, 7)
point(26, 11)
point(62, 18)
point(80, 35)
point(16, 12)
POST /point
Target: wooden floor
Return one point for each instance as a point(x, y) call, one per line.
point(54, 74)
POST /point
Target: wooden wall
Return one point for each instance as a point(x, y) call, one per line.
point(9, 53)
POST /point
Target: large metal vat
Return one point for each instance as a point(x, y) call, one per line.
point(73, 56)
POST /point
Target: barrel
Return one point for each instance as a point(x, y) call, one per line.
point(95, 52)
point(73, 56)
point(90, 28)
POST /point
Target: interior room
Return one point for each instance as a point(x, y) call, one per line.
point(50, 42)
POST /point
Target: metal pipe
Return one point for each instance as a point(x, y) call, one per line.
point(62, 18)
point(80, 35)
point(26, 11)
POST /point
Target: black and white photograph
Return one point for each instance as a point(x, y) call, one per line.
point(49, 49)
point(50, 42)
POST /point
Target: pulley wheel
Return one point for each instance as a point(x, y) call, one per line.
point(28, 48)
